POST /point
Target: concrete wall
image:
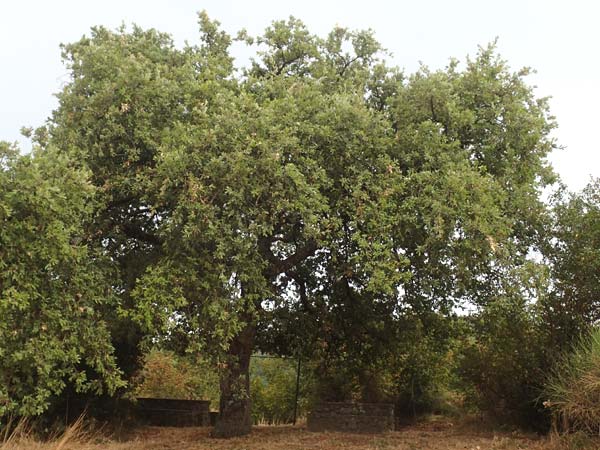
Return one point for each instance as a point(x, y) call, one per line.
point(174, 412)
point(352, 417)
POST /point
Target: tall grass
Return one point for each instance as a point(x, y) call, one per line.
point(573, 389)
point(13, 433)
point(21, 437)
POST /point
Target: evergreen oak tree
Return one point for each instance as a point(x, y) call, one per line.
point(317, 182)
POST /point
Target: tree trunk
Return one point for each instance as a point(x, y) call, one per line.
point(234, 415)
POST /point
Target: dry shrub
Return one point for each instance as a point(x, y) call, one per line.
point(573, 390)
point(574, 441)
point(167, 375)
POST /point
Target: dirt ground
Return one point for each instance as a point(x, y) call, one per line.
point(292, 438)
point(435, 436)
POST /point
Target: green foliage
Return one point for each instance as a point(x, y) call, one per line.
point(124, 90)
point(571, 307)
point(473, 145)
point(572, 392)
point(273, 390)
point(422, 366)
point(505, 354)
point(573, 255)
point(54, 286)
point(504, 361)
point(166, 375)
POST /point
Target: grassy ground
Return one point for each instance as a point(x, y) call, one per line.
point(426, 436)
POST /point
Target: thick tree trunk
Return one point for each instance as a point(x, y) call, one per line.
point(234, 415)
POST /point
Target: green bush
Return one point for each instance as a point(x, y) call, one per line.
point(273, 390)
point(503, 363)
point(573, 390)
point(422, 366)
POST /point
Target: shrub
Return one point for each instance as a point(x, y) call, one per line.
point(503, 363)
point(165, 375)
point(421, 366)
point(273, 390)
point(573, 389)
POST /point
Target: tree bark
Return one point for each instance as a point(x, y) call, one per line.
point(234, 414)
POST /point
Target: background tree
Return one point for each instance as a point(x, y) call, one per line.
point(523, 335)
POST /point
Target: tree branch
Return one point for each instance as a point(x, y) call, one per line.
point(276, 265)
point(134, 232)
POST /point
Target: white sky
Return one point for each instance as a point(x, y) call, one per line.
point(560, 39)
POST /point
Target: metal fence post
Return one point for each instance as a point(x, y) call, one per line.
point(297, 391)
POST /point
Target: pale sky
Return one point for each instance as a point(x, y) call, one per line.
point(560, 39)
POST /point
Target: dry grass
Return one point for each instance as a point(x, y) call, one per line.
point(574, 389)
point(21, 437)
point(438, 435)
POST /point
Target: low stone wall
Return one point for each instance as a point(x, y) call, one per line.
point(173, 412)
point(352, 417)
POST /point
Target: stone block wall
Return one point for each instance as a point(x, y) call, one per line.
point(352, 417)
point(174, 412)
